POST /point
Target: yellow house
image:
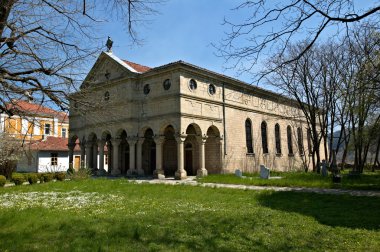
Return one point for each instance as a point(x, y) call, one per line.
point(32, 121)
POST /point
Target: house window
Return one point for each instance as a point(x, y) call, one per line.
point(192, 84)
point(54, 158)
point(290, 142)
point(264, 138)
point(146, 89)
point(167, 84)
point(47, 128)
point(248, 136)
point(278, 138)
point(300, 141)
point(211, 89)
point(64, 131)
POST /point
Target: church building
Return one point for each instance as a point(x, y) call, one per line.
point(182, 120)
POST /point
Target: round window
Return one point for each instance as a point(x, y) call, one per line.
point(211, 89)
point(167, 84)
point(192, 84)
point(146, 89)
point(106, 96)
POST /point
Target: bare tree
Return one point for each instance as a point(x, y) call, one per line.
point(274, 25)
point(46, 45)
point(10, 152)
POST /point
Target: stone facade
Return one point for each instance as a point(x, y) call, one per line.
point(180, 119)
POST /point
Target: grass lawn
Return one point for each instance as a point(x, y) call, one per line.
point(116, 215)
point(366, 181)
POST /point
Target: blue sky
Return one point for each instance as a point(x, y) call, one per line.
point(183, 30)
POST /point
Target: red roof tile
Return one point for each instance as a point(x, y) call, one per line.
point(52, 144)
point(21, 107)
point(139, 68)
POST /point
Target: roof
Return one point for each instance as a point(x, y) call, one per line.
point(137, 67)
point(52, 144)
point(26, 108)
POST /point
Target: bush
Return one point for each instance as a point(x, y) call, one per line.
point(82, 173)
point(48, 177)
point(2, 180)
point(70, 170)
point(18, 178)
point(32, 178)
point(60, 176)
point(40, 177)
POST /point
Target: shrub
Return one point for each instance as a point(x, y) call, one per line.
point(40, 177)
point(60, 176)
point(70, 170)
point(18, 178)
point(32, 178)
point(48, 177)
point(2, 180)
point(82, 173)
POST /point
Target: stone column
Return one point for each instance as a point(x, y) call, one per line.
point(202, 167)
point(159, 172)
point(82, 155)
point(71, 154)
point(132, 153)
point(95, 157)
point(88, 154)
point(180, 173)
point(101, 144)
point(139, 168)
point(115, 156)
point(221, 161)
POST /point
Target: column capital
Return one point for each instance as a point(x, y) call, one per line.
point(115, 141)
point(202, 139)
point(101, 142)
point(88, 144)
point(180, 138)
point(159, 139)
point(132, 139)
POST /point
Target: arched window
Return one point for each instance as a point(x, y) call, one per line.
point(290, 142)
point(248, 136)
point(264, 138)
point(300, 141)
point(278, 138)
point(309, 144)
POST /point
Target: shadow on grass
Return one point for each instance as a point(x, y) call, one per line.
point(332, 210)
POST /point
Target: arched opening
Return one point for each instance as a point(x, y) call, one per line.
point(290, 141)
point(300, 141)
point(277, 138)
point(108, 157)
point(191, 161)
point(169, 152)
point(264, 137)
point(123, 153)
point(248, 136)
point(213, 151)
point(148, 153)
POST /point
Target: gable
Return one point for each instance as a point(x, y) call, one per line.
point(106, 68)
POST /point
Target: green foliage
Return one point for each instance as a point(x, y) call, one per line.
point(2, 180)
point(60, 176)
point(82, 173)
point(18, 178)
point(183, 218)
point(32, 178)
point(48, 176)
point(367, 181)
point(71, 169)
point(40, 177)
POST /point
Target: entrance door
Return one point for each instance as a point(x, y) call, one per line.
point(76, 162)
point(189, 159)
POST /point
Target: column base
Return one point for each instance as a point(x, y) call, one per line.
point(180, 174)
point(158, 174)
point(202, 173)
point(131, 172)
point(101, 172)
point(140, 172)
point(115, 172)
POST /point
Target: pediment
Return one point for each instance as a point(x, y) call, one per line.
point(107, 68)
